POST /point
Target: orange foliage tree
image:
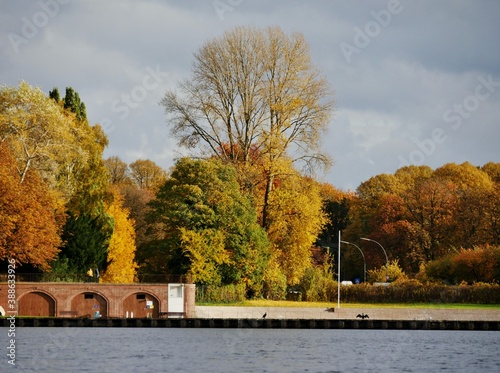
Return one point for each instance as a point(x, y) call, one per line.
point(419, 214)
point(30, 217)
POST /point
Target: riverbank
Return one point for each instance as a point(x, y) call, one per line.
point(294, 318)
point(233, 323)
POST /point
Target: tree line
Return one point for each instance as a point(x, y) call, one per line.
point(246, 208)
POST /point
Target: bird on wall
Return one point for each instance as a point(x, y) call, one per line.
point(363, 316)
point(264, 315)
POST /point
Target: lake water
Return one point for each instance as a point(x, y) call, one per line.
point(129, 350)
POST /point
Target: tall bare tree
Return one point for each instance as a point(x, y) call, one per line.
point(254, 94)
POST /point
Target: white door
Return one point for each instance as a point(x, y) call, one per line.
point(176, 298)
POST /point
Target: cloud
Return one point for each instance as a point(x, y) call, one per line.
point(419, 63)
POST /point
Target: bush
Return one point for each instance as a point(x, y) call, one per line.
point(274, 282)
point(393, 270)
point(318, 284)
point(412, 291)
point(480, 264)
point(220, 294)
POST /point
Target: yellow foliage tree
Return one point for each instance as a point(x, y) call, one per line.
point(206, 252)
point(295, 220)
point(121, 250)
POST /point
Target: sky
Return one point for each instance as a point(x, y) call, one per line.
point(416, 82)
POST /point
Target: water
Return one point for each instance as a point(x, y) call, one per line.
point(139, 350)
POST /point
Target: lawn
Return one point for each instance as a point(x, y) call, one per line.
point(284, 303)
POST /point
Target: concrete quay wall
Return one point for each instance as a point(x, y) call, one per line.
point(258, 323)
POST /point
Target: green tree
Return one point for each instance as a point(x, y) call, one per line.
point(85, 243)
point(54, 94)
point(201, 202)
point(336, 206)
point(72, 102)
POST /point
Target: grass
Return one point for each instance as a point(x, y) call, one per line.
point(285, 303)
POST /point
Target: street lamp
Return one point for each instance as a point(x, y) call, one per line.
point(363, 255)
point(338, 276)
point(386, 258)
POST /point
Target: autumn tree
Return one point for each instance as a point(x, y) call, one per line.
point(146, 174)
point(36, 128)
point(493, 171)
point(421, 214)
point(30, 216)
point(493, 216)
point(200, 204)
point(253, 89)
point(117, 171)
point(121, 266)
point(136, 201)
point(206, 253)
point(369, 197)
point(295, 220)
point(52, 139)
point(64, 150)
point(474, 187)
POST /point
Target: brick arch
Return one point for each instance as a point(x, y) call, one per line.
point(88, 302)
point(37, 303)
point(137, 301)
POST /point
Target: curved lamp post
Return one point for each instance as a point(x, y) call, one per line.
point(363, 255)
point(386, 258)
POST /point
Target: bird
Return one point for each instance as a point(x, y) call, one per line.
point(264, 315)
point(331, 309)
point(363, 316)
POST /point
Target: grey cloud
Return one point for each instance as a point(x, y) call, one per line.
point(391, 96)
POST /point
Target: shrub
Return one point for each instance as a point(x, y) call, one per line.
point(318, 284)
point(393, 270)
point(275, 285)
point(220, 294)
point(480, 264)
point(413, 291)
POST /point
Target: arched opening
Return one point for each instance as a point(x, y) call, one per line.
point(140, 305)
point(88, 303)
point(36, 304)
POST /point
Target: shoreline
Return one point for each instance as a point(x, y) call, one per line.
point(367, 324)
point(292, 318)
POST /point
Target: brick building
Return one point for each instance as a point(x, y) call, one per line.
point(58, 299)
